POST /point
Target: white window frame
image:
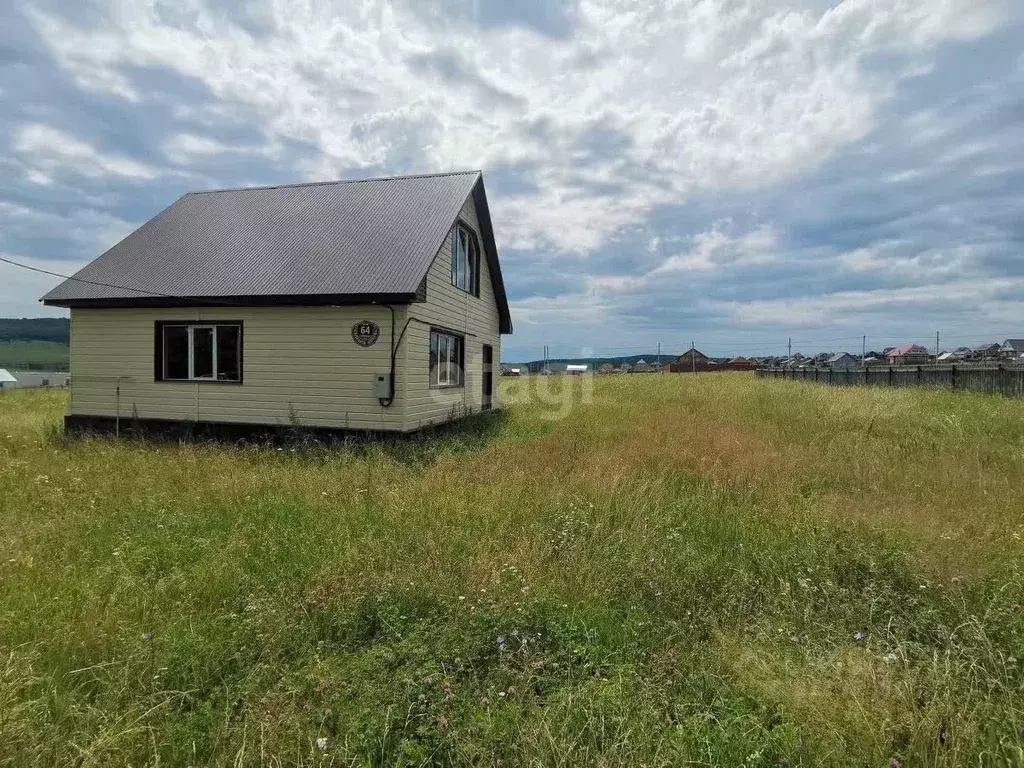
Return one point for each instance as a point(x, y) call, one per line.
point(447, 373)
point(462, 233)
point(190, 329)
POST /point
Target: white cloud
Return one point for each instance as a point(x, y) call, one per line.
point(862, 308)
point(48, 152)
point(715, 249)
point(701, 96)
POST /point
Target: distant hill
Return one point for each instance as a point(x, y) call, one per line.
point(53, 329)
point(34, 356)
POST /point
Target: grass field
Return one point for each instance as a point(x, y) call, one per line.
point(705, 570)
point(37, 355)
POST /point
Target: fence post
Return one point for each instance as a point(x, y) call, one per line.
point(830, 377)
point(1002, 379)
point(919, 375)
point(952, 377)
point(890, 375)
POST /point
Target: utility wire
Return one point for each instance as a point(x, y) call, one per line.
point(157, 294)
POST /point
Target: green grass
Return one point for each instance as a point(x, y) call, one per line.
point(36, 355)
point(677, 569)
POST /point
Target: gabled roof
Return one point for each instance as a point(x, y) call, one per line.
point(905, 349)
point(838, 356)
point(6, 377)
point(694, 353)
point(1013, 345)
point(341, 242)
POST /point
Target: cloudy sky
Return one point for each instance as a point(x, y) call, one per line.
point(731, 172)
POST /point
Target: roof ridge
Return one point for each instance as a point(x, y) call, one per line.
point(398, 177)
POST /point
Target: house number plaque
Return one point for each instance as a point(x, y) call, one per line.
point(365, 333)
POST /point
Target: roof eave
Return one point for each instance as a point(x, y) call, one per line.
point(298, 300)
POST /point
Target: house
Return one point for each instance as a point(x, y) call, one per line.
point(948, 357)
point(507, 371)
point(38, 379)
point(7, 381)
point(373, 305)
point(988, 351)
point(741, 364)
point(842, 360)
point(642, 366)
point(1012, 349)
point(908, 354)
point(693, 360)
point(575, 370)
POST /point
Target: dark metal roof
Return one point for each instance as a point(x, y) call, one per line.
point(321, 243)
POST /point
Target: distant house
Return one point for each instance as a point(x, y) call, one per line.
point(741, 364)
point(7, 381)
point(948, 357)
point(642, 366)
point(691, 355)
point(693, 360)
point(375, 304)
point(988, 351)
point(576, 370)
point(1012, 349)
point(873, 360)
point(509, 371)
point(908, 354)
point(842, 360)
point(32, 379)
point(625, 368)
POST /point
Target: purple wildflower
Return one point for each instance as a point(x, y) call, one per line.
point(147, 636)
point(501, 642)
point(894, 763)
point(860, 636)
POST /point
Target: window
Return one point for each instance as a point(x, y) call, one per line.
point(465, 260)
point(446, 359)
point(199, 352)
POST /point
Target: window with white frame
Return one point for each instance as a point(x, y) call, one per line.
point(446, 359)
point(465, 260)
point(199, 352)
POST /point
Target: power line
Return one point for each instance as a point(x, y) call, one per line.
point(157, 294)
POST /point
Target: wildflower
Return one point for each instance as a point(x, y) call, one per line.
point(860, 636)
point(321, 743)
point(444, 723)
point(147, 636)
point(501, 642)
point(894, 763)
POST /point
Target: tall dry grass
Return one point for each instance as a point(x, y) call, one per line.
point(706, 569)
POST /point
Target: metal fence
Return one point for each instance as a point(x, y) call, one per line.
point(990, 379)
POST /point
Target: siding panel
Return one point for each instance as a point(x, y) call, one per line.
point(297, 363)
point(448, 307)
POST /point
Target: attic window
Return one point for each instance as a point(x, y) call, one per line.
point(198, 352)
point(465, 260)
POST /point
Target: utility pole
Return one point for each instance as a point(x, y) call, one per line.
point(790, 347)
point(936, 345)
point(659, 358)
point(863, 350)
